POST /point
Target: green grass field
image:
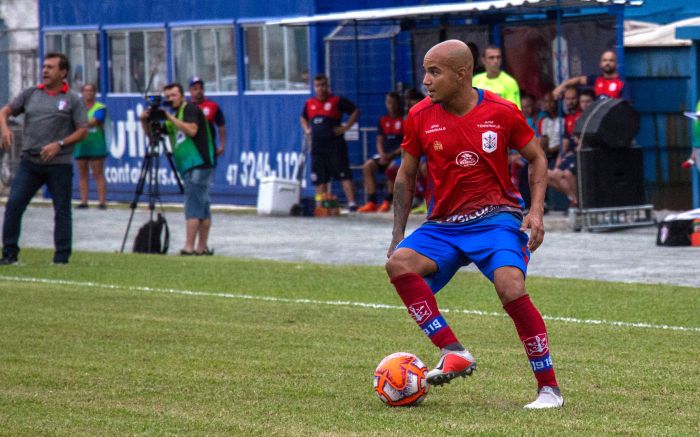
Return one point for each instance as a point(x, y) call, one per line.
point(148, 345)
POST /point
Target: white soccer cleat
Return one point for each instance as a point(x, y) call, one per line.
point(547, 397)
point(451, 365)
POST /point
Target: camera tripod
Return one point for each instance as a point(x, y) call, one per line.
point(149, 175)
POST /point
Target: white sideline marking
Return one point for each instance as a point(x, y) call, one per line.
point(337, 303)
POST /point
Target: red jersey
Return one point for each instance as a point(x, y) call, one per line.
point(608, 87)
point(214, 116)
point(323, 116)
point(570, 122)
point(210, 109)
point(467, 156)
point(391, 128)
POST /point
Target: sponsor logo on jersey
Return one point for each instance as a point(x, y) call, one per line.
point(488, 124)
point(437, 145)
point(466, 159)
point(435, 128)
point(62, 104)
point(420, 311)
point(327, 106)
point(206, 111)
point(397, 125)
point(463, 218)
point(489, 141)
point(536, 346)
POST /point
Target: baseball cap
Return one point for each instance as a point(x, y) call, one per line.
point(196, 79)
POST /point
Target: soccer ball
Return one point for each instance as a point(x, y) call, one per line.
point(399, 380)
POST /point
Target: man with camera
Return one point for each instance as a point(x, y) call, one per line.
point(55, 119)
point(193, 153)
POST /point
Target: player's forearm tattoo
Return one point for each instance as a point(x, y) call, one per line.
point(403, 198)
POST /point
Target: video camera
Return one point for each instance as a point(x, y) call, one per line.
point(156, 117)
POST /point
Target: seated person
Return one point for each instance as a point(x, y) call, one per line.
point(389, 138)
point(551, 129)
point(563, 177)
point(518, 165)
point(566, 158)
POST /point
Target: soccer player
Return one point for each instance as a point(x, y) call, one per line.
point(389, 138)
point(474, 214)
point(321, 119)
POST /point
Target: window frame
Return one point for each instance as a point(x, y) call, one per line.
point(127, 30)
point(245, 25)
point(211, 26)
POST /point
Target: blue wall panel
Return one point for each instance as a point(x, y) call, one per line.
point(660, 78)
point(264, 139)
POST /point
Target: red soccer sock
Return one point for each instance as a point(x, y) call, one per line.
point(422, 306)
point(533, 333)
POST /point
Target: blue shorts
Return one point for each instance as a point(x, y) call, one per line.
point(492, 242)
point(196, 183)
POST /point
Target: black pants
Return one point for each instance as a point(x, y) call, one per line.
point(30, 178)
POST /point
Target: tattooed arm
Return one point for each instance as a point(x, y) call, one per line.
point(538, 184)
point(404, 186)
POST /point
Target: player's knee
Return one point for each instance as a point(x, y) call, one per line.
point(398, 264)
point(509, 283)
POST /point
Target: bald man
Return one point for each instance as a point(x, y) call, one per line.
point(475, 214)
point(607, 85)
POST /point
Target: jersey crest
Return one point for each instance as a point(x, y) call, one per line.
point(489, 141)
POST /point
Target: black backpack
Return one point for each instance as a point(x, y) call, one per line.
point(153, 237)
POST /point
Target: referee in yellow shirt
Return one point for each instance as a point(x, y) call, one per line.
point(495, 80)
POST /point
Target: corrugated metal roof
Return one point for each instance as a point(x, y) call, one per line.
point(643, 34)
point(452, 8)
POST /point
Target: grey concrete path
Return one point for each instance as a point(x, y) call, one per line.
point(627, 256)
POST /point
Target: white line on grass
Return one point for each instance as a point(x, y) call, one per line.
point(336, 303)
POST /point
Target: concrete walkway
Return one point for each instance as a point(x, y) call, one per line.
point(628, 256)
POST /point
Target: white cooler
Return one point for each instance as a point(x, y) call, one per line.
point(276, 196)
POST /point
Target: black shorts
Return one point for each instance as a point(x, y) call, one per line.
point(381, 168)
point(568, 162)
point(331, 163)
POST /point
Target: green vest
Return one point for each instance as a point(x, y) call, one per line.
point(185, 152)
point(94, 145)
